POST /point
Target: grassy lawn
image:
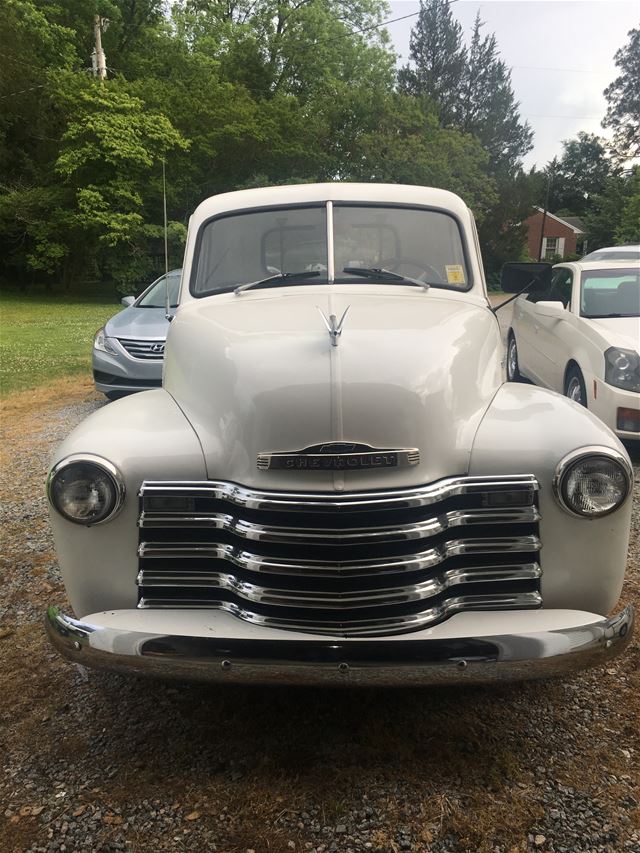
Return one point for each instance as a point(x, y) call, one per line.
point(43, 338)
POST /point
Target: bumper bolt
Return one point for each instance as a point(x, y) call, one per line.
point(225, 664)
point(462, 664)
point(343, 668)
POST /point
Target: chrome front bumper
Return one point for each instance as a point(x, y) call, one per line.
point(398, 661)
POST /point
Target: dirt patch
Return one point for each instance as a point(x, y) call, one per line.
point(96, 761)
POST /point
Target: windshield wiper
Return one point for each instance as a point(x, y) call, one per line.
point(283, 276)
point(386, 275)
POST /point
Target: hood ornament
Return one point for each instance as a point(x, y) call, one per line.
point(333, 327)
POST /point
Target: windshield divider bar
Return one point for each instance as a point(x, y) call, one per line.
point(330, 259)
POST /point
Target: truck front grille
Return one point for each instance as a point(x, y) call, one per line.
point(350, 564)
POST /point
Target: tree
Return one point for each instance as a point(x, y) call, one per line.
point(623, 96)
point(406, 145)
point(487, 105)
point(614, 214)
point(439, 58)
point(579, 174)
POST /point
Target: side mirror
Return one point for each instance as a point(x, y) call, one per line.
point(127, 301)
point(518, 278)
point(550, 309)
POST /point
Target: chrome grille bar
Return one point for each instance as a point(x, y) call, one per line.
point(365, 627)
point(406, 563)
point(233, 493)
point(429, 588)
point(330, 536)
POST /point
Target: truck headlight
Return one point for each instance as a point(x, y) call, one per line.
point(622, 368)
point(104, 343)
point(592, 482)
point(85, 489)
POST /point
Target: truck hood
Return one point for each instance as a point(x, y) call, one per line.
point(257, 373)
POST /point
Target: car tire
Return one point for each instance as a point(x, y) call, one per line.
point(574, 387)
point(513, 367)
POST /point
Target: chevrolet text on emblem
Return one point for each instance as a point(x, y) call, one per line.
point(338, 456)
point(333, 326)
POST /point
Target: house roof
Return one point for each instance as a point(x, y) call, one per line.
point(573, 222)
point(576, 222)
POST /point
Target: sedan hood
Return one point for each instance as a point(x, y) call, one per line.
point(138, 323)
point(257, 373)
point(623, 332)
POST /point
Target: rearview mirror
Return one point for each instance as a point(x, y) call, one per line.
point(518, 277)
point(127, 301)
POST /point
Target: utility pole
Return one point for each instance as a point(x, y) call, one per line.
point(546, 206)
point(99, 60)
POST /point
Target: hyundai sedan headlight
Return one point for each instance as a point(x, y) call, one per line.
point(592, 482)
point(622, 368)
point(104, 343)
point(85, 489)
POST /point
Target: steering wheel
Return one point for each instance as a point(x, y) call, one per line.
point(428, 273)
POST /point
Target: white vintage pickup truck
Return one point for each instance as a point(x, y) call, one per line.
point(335, 483)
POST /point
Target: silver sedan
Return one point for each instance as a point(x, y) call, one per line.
point(128, 351)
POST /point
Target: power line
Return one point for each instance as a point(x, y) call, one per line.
point(22, 91)
point(538, 115)
point(553, 68)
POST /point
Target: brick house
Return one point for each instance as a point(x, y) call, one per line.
point(561, 236)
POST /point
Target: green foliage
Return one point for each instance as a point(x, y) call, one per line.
point(470, 87)
point(579, 175)
point(231, 95)
point(614, 216)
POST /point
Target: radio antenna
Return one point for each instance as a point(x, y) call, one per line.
point(167, 306)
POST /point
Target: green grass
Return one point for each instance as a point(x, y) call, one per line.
point(47, 337)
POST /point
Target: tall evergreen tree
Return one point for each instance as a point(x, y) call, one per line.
point(487, 105)
point(623, 96)
point(438, 58)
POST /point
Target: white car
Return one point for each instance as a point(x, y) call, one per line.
point(614, 253)
point(335, 483)
point(581, 337)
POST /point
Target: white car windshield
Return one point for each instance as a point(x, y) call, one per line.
point(156, 296)
point(610, 293)
point(370, 243)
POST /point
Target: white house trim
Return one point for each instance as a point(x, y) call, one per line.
point(561, 221)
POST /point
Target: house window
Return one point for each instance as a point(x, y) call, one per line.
point(552, 247)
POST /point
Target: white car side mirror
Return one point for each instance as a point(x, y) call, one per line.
point(550, 309)
point(127, 301)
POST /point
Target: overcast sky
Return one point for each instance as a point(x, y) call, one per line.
point(561, 56)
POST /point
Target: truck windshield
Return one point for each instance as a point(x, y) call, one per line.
point(610, 293)
point(264, 246)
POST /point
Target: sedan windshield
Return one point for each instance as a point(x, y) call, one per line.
point(276, 247)
point(156, 295)
point(610, 293)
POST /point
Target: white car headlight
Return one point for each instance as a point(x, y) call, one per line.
point(622, 368)
point(592, 482)
point(103, 343)
point(85, 489)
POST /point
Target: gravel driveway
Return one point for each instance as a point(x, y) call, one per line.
point(99, 762)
